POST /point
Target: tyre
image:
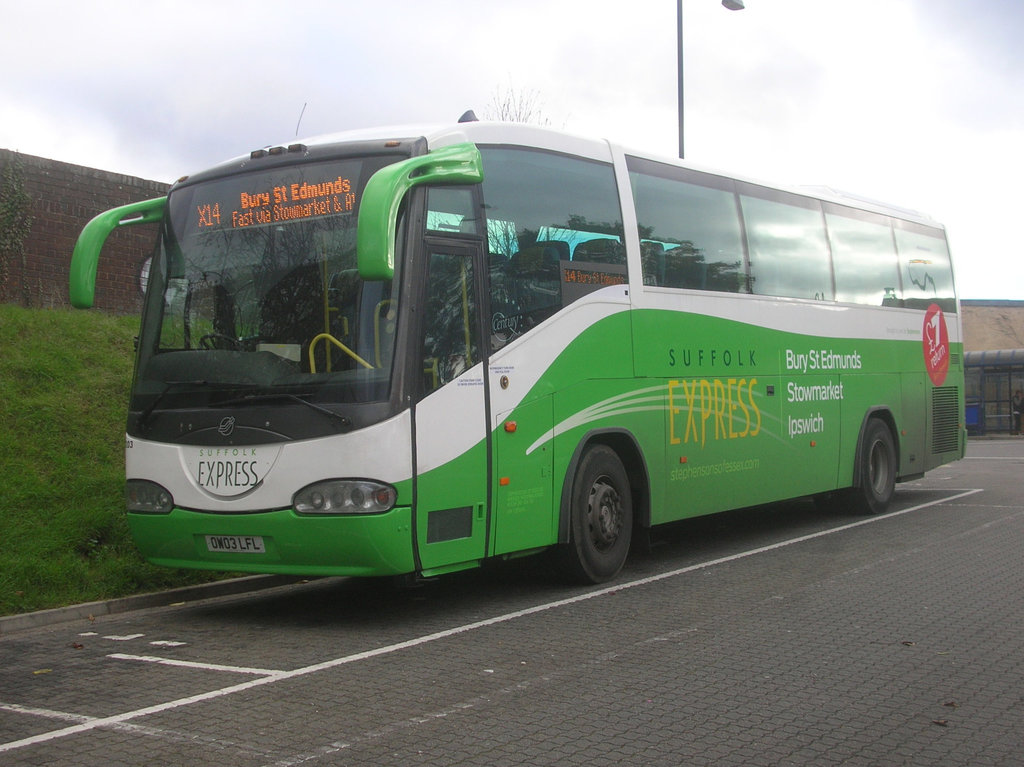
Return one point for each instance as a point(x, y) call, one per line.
point(600, 518)
point(876, 471)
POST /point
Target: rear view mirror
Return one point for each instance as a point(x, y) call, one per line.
point(86, 255)
point(378, 211)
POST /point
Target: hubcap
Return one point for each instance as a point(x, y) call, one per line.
point(879, 468)
point(604, 514)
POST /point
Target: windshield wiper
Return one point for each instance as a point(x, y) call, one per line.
point(170, 385)
point(343, 420)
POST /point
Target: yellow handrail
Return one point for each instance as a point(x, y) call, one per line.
point(340, 345)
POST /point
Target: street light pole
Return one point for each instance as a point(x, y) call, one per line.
point(732, 5)
point(679, 54)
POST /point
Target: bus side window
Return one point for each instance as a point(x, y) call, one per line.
point(540, 207)
point(925, 266)
point(789, 252)
point(690, 235)
point(863, 257)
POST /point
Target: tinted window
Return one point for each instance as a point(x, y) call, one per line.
point(789, 253)
point(554, 233)
point(450, 210)
point(690, 235)
point(863, 256)
point(924, 266)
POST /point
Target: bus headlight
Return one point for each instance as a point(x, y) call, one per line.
point(148, 497)
point(345, 496)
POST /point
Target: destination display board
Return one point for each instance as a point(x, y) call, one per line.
point(269, 203)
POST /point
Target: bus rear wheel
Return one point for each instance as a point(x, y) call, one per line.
point(600, 518)
point(876, 481)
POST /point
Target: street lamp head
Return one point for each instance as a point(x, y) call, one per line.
point(733, 5)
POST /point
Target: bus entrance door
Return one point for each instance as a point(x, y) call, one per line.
point(451, 438)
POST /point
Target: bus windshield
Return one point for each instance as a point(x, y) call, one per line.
point(254, 288)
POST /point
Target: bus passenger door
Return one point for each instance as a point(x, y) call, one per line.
point(452, 440)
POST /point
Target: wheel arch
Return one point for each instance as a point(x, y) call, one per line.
point(628, 450)
point(881, 413)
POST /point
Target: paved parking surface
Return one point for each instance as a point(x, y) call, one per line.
point(775, 636)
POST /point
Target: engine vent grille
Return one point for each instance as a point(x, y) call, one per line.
point(945, 419)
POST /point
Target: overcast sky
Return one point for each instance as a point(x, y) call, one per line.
point(913, 102)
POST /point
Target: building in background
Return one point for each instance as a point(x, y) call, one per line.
point(993, 363)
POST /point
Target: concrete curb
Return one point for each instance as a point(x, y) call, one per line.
point(11, 623)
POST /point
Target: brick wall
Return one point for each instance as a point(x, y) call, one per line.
point(64, 198)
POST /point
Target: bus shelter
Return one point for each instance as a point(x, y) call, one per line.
point(991, 378)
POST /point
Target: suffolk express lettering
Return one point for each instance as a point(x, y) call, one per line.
point(227, 474)
point(703, 408)
point(227, 468)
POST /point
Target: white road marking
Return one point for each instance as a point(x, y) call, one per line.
point(134, 729)
point(195, 664)
point(119, 719)
point(46, 713)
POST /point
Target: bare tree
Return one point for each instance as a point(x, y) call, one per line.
point(517, 106)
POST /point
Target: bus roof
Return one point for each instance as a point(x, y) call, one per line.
point(520, 134)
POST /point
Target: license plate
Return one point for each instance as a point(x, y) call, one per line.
point(235, 544)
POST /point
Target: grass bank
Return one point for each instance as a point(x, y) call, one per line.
point(64, 378)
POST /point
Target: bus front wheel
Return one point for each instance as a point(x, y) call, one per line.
point(600, 518)
point(876, 479)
